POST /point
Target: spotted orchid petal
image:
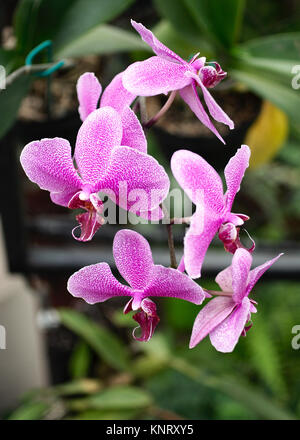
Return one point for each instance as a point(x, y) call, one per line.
point(234, 173)
point(203, 227)
point(98, 135)
point(214, 109)
point(159, 48)
point(133, 133)
point(212, 314)
point(88, 91)
point(258, 271)
point(96, 283)
point(133, 258)
point(116, 96)
point(155, 76)
point(199, 180)
point(135, 178)
point(240, 268)
point(224, 279)
point(168, 282)
point(190, 95)
point(49, 164)
point(225, 336)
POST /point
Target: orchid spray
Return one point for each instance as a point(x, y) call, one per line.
point(110, 153)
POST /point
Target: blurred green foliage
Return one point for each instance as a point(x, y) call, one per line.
point(259, 380)
point(76, 27)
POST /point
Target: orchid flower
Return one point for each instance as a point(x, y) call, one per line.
point(225, 317)
point(213, 209)
point(133, 258)
point(89, 91)
point(169, 72)
point(103, 165)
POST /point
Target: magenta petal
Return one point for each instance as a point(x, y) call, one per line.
point(226, 335)
point(116, 96)
point(49, 164)
point(88, 91)
point(212, 314)
point(99, 133)
point(62, 198)
point(198, 238)
point(234, 173)
point(159, 48)
point(258, 271)
point(96, 283)
point(199, 180)
point(133, 133)
point(133, 258)
point(241, 264)
point(214, 109)
point(147, 319)
point(135, 177)
point(190, 96)
point(167, 282)
point(155, 76)
point(224, 279)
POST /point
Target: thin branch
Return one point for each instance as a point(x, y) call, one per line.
point(170, 238)
point(162, 111)
point(143, 109)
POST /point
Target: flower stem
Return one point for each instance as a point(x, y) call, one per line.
point(162, 111)
point(170, 238)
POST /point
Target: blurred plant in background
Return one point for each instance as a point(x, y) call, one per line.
point(113, 379)
point(162, 379)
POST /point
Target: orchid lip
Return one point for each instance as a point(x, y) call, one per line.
point(146, 317)
point(91, 220)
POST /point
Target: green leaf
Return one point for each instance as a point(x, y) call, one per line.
point(245, 393)
point(262, 83)
point(220, 20)
point(116, 398)
point(186, 48)
point(81, 386)
point(8, 59)
point(101, 40)
point(105, 344)
point(263, 352)
point(105, 415)
point(178, 15)
point(80, 360)
point(30, 411)
point(276, 47)
point(10, 100)
point(85, 15)
point(26, 24)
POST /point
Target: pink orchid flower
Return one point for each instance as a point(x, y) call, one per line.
point(133, 258)
point(225, 317)
point(103, 165)
point(169, 72)
point(89, 91)
point(213, 213)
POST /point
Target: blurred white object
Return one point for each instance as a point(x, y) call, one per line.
point(22, 362)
